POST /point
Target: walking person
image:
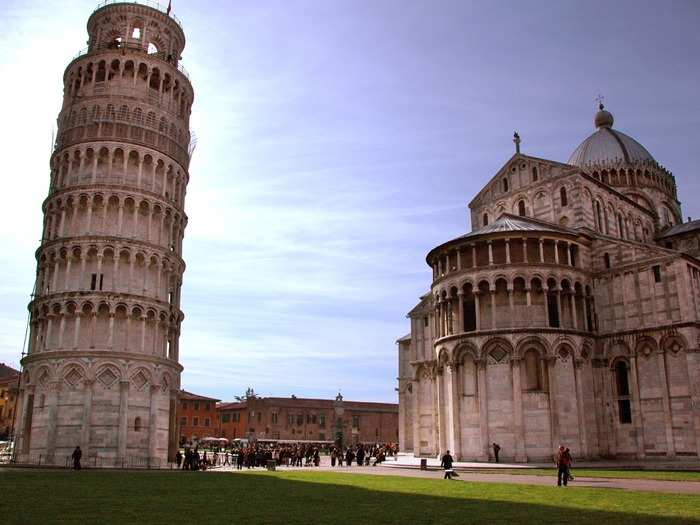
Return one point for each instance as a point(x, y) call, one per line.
point(446, 463)
point(571, 462)
point(360, 456)
point(178, 458)
point(496, 450)
point(77, 454)
point(563, 461)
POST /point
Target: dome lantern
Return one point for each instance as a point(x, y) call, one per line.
point(603, 119)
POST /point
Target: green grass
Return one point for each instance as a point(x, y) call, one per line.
point(298, 497)
point(662, 475)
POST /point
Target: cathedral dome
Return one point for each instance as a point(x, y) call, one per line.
point(608, 146)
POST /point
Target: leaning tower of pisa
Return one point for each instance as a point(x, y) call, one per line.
point(102, 366)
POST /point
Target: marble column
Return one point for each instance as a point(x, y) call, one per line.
point(52, 420)
point(693, 364)
point(441, 412)
point(87, 416)
point(668, 415)
point(582, 427)
point(453, 432)
point(518, 424)
point(416, 419)
point(483, 409)
point(553, 405)
point(153, 426)
point(123, 421)
point(638, 417)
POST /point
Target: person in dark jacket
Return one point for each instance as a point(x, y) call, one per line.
point(496, 450)
point(77, 454)
point(446, 463)
point(349, 456)
point(178, 458)
point(360, 455)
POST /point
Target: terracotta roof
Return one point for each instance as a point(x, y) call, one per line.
point(232, 405)
point(189, 395)
point(301, 402)
point(7, 372)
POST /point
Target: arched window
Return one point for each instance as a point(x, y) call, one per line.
point(534, 174)
point(110, 112)
point(623, 392)
point(533, 371)
point(606, 259)
point(123, 113)
point(138, 116)
point(562, 196)
point(521, 208)
point(505, 185)
point(485, 219)
point(137, 424)
point(620, 227)
point(599, 216)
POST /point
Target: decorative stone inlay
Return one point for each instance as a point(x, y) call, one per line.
point(44, 377)
point(73, 377)
point(498, 353)
point(139, 380)
point(107, 378)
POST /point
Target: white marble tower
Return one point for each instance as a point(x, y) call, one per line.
point(102, 366)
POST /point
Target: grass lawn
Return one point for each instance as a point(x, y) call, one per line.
point(297, 497)
point(663, 475)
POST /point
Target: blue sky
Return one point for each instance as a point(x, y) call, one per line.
point(338, 142)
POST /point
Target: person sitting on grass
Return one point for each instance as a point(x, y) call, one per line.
point(446, 463)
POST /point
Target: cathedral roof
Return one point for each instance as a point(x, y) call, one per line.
point(505, 223)
point(679, 229)
point(608, 146)
point(514, 223)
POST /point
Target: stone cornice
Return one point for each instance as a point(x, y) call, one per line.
point(62, 356)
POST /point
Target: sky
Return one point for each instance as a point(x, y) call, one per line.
point(338, 142)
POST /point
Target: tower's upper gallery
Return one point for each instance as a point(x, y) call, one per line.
point(139, 25)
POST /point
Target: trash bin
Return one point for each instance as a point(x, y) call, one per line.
point(423, 464)
point(271, 464)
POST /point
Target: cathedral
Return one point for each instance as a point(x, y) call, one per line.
point(570, 314)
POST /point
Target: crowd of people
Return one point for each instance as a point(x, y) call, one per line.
point(291, 455)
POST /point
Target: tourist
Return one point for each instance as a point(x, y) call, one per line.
point(496, 450)
point(239, 459)
point(571, 462)
point(349, 456)
point(360, 455)
point(563, 461)
point(178, 458)
point(77, 454)
point(446, 463)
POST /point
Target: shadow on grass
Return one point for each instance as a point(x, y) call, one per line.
point(319, 498)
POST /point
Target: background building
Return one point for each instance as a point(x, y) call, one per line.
point(570, 314)
point(102, 367)
point(302, 419)
point(197, 416)
point(8, 399)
